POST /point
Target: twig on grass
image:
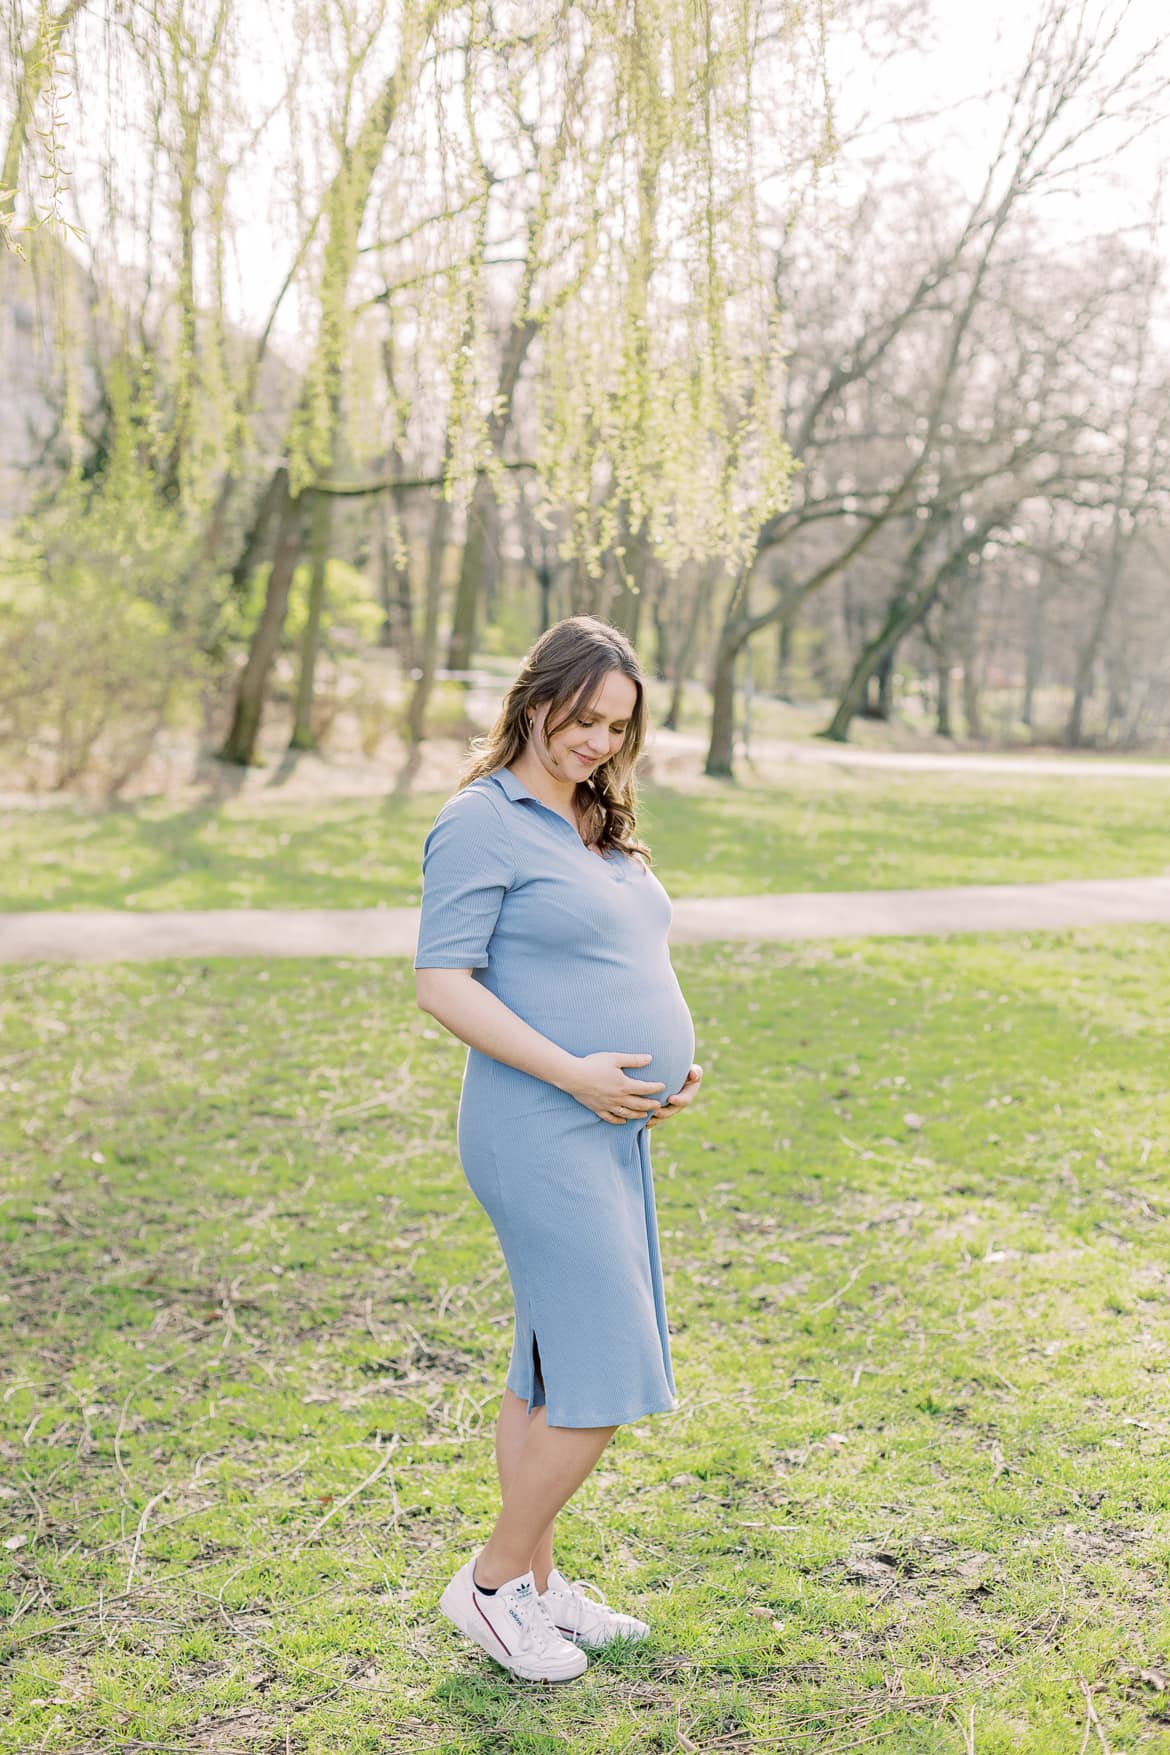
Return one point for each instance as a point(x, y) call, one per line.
point(349, 1497)
point(85, 1609)
point(966, 1730)
point(146, 1511)
point(118, 1541)
point(841, 1290)
point(135, 1744)
point(1092, 1722)
point(1056, 1618)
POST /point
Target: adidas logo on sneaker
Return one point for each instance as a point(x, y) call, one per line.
point(520, 1594)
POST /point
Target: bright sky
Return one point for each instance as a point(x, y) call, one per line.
point(975, 46)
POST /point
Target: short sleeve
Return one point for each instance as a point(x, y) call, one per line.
point(467, 867)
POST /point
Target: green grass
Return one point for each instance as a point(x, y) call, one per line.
point(825, 829)
point(915, 1236)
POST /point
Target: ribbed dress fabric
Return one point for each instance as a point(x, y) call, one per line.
point(576, 945)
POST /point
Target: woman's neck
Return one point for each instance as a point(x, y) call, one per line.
point(559, 795)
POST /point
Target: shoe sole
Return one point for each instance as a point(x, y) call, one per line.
point(451, 1605)
point(639, 1632)
point(600, 1644)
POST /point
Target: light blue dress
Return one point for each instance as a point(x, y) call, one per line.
point(576, 945)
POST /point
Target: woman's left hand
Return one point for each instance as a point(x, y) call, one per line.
point(680, 1099)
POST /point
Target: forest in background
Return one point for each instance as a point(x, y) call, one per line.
point(585, 308)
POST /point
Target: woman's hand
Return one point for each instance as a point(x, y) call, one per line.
point(680, 1098)
point(599, 1082)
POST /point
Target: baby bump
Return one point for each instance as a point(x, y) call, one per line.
point(650, 1017)
point(665, 1032)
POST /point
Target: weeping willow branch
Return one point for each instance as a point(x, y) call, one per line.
point(396, 484)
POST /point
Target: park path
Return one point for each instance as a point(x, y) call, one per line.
point(819, 753)
point(131, 936)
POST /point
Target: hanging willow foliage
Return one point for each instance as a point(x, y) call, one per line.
point(659, 374)
point(420, 152)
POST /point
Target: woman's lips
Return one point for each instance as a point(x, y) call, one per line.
point(587, 761)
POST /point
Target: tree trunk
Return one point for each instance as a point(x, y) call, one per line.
point(461, 644)
point(1117, 683)
point(622, 608)
point(884, 707)
point(271, 500)
point(544, 586)
point(968, 636)
point(1114, 570)
point(851, 620)
point(785, 632)
point(943, 704)
point(739, 624)
point(240, 743)
point(1083, 683)
point(972, 713)
point(1074, 730)
point(721, 748)
point(630, 591)
point(680, 661)
point(1033, 661)
point(971, 709)
point(320, 531)
point(394, 591)
point(905, 611)
point(748, 691)
point(346, 202)
point(902, 614)
point(662, 658)
point(416, 713)
point(482, 515)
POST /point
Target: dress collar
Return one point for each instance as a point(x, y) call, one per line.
point(515, 789)
point(512, 786)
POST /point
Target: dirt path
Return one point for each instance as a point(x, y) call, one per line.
point(813, 753)
point(113, 937)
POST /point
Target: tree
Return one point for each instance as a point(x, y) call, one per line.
point(1066, 104)
point(1142, 477)
point(313, 431)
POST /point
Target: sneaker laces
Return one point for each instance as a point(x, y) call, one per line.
point(582, 1603)
point(538, 1632)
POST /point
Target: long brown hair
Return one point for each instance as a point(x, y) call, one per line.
point(565, 668)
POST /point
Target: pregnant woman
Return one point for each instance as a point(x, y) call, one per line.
point(543, 946)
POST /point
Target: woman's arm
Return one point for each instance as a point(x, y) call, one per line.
point(477, 1017)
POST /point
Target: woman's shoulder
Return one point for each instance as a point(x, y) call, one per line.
point(477, 805)
point(470, 836)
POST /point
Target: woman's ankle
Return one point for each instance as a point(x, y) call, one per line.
point(487, 1574)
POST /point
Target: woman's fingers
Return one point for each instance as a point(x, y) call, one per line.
point(680, 1099)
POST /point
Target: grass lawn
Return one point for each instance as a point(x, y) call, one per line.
point(825, 829)
point(915, 1497)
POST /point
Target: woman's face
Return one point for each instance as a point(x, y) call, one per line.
point(592, 735)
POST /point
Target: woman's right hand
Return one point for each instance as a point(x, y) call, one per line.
point(601, 1085)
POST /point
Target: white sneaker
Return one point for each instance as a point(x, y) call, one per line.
point(582, 1620)
point(513, 1626)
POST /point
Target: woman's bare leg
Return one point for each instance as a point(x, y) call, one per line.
point(511, 1431)
point(552, 1463)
